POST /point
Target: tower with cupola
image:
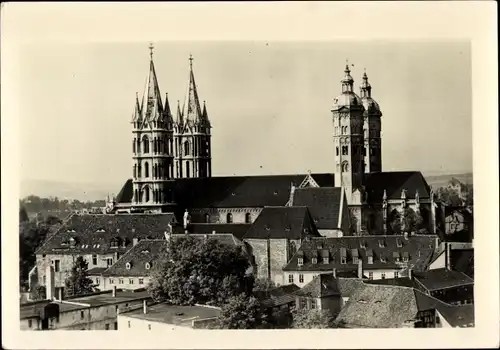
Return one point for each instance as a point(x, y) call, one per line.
point(371, 128)
point(152, 147)
point(348, 138)
point(192, 136)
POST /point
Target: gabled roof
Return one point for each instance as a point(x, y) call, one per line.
point(93, 234)
point(282, 222)
point(386, 306)
point(322, 285)
point(442, 278)
point(278, 296)
point(324, 204)
point(418, 248)
point(393, 182)
point(148, 251)
point(401, 282)
point(232, 191)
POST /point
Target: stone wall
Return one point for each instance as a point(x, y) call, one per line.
point(260, 251)
point(219, 215)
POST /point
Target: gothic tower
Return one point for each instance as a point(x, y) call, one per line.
point(371, 129)
point(153, 166)
point(192, 136)
point(348, 138)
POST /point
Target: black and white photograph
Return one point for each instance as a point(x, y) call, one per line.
point(174, 184)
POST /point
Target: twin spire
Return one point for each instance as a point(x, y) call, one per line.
point(151, 108)
point(347, 82)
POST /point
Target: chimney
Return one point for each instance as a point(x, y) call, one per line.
point(114, 291)
point(213, 232)
point(334, 271)
point(50, 283)
point(60, 294)
point(406, 235)
point(360, 268)
point(145, 306)
point(134, 241)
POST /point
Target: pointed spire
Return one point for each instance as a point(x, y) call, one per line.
point(166, 107)
point(179, 119)
point(366, 88)
point(137, 109)
point(191, 110)
point(347, 81)
point(152, 106)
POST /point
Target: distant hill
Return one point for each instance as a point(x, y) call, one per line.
point(436, 181)
point(68, 190)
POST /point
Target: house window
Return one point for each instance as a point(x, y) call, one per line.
point(355, 259)
point(128, 324)
point(207, 218)
point(325, 261)
point(290, 278)
point(149, 326)
point(382, 275)
point(81, 315)
point(405, 258)
point(130, 281)
point(116, 326)
point(30, 323)
point(314, 261)
point(97, 281)
point(303, 303)
point(109, 261)
point(111, 281)
point(343, 260)
point(44, 279)
point(313, 304)
point(57, 265)
point(396, 274)
point(120, 281)
point(370, 275)
point(141, 280)
point(301, 278)
point(300, 261)
point(229, 218)
point(106, 326)
point(248, 218)
point(94, 259)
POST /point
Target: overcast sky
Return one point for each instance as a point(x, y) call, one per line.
point(269, 104)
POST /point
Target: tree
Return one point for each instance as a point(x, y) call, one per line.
point(263, 285)
point(31, 237)
point(38, 292)
point(78, 282)
point(412, 221)
point(191, 271)
point(242, 312)
point(316, 318)
point(23, 215)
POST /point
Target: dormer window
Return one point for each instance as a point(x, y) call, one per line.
point(370, 260)
point(405, 257)
point(343, 260)
point(399, 243)
point(300, 261)
point(128, 266)
point(147, 266)
point(355, 259)
point(362, 245)
point(382, 259)
point(381, 243)
point(326, 260)
point(396, 257)
point(314, 261)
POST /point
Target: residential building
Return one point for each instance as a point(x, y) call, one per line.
point(376, 257)
point(459, 224)
point(451, 287)
point(166, 317)
point(96, 311)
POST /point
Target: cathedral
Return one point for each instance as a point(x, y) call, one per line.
point(172, 170)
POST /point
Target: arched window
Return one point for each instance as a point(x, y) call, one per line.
point(345, 150)
point(146, 169)
point(138, 145)
point(155, 171)
point(248, 218)
point(337, 149)
point(136, 196)
point(207, 218)
point(229, 218)
point(146, 194)
point(154, 196)
point(139, 170)
point(155, 145)
point(145, 142)
point(135, 170)
point(186, 148)
point(133, 145)
point(188, 170)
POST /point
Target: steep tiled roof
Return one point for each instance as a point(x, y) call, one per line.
point(347, 286)
point(238, 230)
point(234, 191)
point(278, 296)
point(376, 306)
point(418, 249)
point(385, 306)
point(95, 234)
point(322, 285)
point(126, 192)
point(282, 222)
point(458, 315)
point(441, 278)
point(462, 260)
point(323, 203)
point(148, 251)
point(393, 182)
point(402, 282)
